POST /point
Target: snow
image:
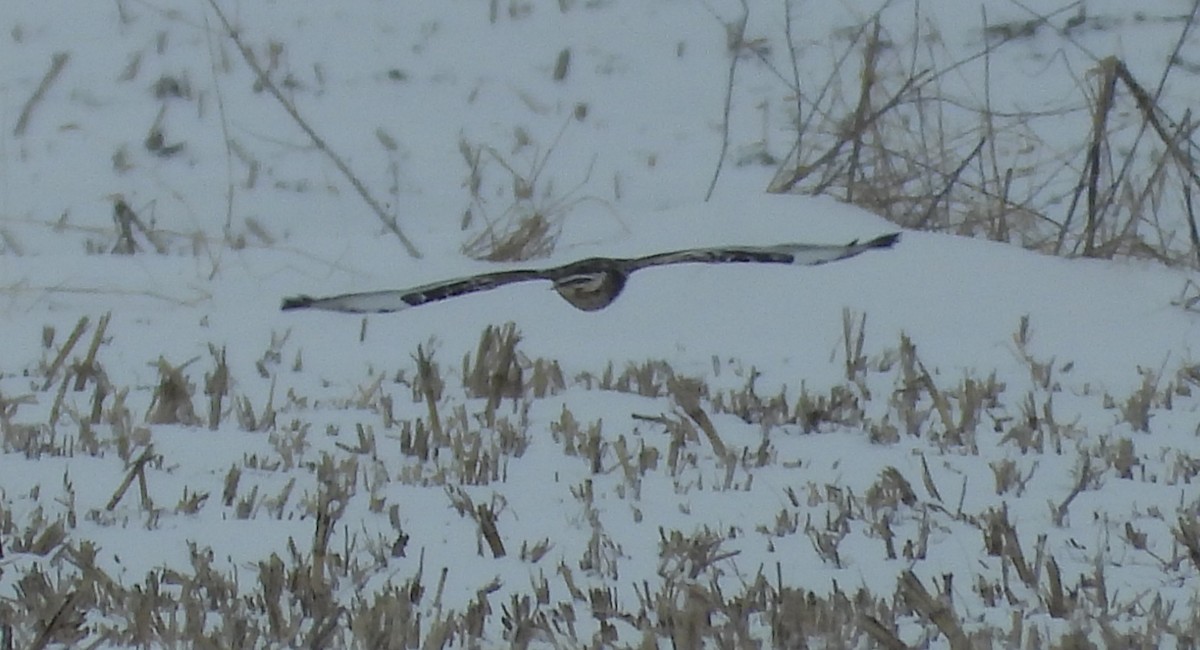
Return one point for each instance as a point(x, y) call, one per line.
point(622, 151)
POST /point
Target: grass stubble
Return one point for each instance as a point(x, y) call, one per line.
point(350, 584)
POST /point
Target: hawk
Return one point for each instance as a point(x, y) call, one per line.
point(590, 284)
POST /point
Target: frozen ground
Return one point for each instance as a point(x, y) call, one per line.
point(715, 460)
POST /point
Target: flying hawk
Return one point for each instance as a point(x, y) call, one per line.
point(590, 284)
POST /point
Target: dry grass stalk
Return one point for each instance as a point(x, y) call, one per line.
point(562, 64)
point(856, 362)
point(1136, 410)
point(336, 488)
point(934, 609)
point(127, 221)
point(80, 371)
point(172, 402)
point(41, 538)
point(1101, 201)
point(263, 421)
point(950, 181)
point(430, 389)
point(868, 77)
point(1083, 481)
point(1104, 106)
point(216, 386)
point(485, 517)
point(686, 393)
point(891, 491)
point(1188, 533)
point(547, 378)
point(300, 599)
point(80, 328)
point(138, 470)
point(88, 368)
point(736, 33)
point(1056, 603)
point(532, 236)
point(532, 222)
point(232, 478)
point(897, 157)
point(56, 408)
point(927, 479)
point(881, 635)
point(787, 181)
point(289, 107)
point(65, 625)
point(58, 61)
point(497, 372)
point(952, 434)
point(840, 407)
point(648, 379)
point(1012, 550)
point(908, 394)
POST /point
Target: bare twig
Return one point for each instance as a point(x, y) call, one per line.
point(388, 221)
point(950, 181)
point(1099, 136)
point(1189, 207)
point(1081, 483)
point(737, 34)
point(227, 138)
point(927, 478)
point(802, 171)
point(867, 77)
point(57, 63)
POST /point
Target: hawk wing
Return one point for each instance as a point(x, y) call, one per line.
point(798, 254)
point(395, 300)
point(589, 284)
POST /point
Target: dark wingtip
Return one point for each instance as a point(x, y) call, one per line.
point(296, 302)
point(884, 241)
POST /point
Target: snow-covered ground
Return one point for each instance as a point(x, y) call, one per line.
point(1019, 431)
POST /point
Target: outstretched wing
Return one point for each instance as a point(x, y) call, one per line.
point(395, 300)
point(798, 254)
point(589, 284)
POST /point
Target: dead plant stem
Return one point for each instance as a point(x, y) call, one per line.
point(388, 221)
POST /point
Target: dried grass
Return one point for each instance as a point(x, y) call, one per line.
point(301, 597)
point(886, 148)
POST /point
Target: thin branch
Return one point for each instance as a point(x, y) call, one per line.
point(737, 36)
point(950, 181)
point(57, 63)
point(802, 171)
point(388, 221)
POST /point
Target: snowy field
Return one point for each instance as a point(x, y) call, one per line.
point(967, 441)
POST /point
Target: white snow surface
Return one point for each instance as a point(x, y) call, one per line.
point(628, 178)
